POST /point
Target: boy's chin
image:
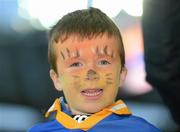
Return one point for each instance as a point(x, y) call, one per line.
point(89, 109)
point(92, 111)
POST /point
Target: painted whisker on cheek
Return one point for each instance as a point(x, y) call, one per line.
point(68, 52)
point(108, 74)
point(109, 82)
point(75, 76)
point(62, 55)
point(109, 78)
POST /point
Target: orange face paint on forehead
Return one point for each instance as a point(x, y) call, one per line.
point(74, 47)
point(68, 54)
point(99, 52)
point(105, 51)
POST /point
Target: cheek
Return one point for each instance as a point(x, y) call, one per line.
point(117, 76)
point(71, 81)
point(66, 80)
point(112, 75)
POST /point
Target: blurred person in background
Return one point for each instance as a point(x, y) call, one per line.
point(161, 30)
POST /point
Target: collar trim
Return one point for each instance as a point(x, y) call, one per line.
point(67, 121)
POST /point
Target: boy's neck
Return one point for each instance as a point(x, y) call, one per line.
point(74, 112)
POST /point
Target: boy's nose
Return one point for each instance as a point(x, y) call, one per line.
point(92, 75)
point(91, 72)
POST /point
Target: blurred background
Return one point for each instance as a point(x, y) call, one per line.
point(26, 91)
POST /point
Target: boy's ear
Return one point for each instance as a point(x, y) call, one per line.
point(123, 74)
point(55, 79)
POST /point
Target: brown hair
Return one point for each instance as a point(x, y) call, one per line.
point(86, 23)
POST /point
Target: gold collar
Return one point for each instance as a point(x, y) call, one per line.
point(67, 121)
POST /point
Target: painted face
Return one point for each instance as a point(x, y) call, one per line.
point(89, 72)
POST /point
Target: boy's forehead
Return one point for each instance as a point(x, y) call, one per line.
point(75, 43)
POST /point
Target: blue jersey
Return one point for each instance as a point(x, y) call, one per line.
point(115, 118)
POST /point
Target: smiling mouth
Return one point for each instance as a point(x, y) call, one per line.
point(92, 93)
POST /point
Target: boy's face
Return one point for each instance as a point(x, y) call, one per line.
point(89, 72)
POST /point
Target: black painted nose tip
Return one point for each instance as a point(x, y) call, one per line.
point(92, 75)
point(91, 72)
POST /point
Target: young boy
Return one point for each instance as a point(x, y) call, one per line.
point(87, 60)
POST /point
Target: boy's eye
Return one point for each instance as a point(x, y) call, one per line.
point(104, 62)
point(76, 64)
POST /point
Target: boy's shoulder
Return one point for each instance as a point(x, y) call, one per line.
point(128, 123)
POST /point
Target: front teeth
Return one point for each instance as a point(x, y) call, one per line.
point(92, 94)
